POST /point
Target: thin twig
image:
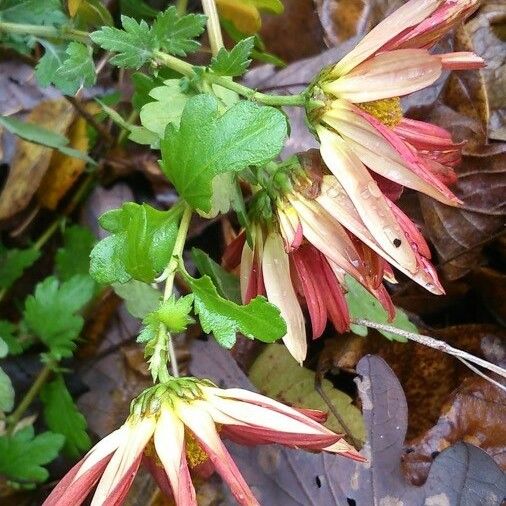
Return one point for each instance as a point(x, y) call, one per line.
point(433, 343)
point(213, 25)
point(90, 119)
point(484, 376)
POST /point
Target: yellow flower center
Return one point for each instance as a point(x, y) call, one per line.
point(387, 110)
point(195, 454)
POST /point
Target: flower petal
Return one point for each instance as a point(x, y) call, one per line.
point(202, 426)
point(410, 14)
point(367, 198)
point(169, 444)
point(122, 468)
point(386, 75)
point(279, 288)
point(464, 60)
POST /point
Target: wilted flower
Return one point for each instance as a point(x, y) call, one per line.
point(361, 127)
point(179, 425)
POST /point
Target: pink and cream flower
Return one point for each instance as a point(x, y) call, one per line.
point(369, 147)
point(179, 425)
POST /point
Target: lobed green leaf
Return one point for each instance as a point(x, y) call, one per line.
point(233, 62)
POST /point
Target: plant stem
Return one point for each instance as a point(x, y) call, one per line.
point(187, 70)
point(45, 31)
point(170, 272)
point(181, 7)
point(213, 25)
point(34, 390)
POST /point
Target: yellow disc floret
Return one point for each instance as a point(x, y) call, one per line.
point(387, 110)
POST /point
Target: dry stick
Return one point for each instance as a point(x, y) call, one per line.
point(213, 25)
point(479, 373)
point(434, 343)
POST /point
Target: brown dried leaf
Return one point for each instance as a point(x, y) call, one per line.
point(474, 413)
point(491, 285)
point(31, 160)
point(458, 234)
point(64, 170)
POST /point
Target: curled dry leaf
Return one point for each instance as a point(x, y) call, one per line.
point(474, 413)
point(458, 234)
point(64, 170)
point(31, 160)
point(462, 474)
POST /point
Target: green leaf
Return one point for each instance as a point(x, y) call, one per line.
point(207, 144)
point(62, 416)
point(76, 70)
point(134, 44)
point(226, 283)
point(51, 312)
point(234, 62)
point(363, 304)
point(259, 319)
point(22, 455)
point(41, 135)
point(92, 13)
point(13, 263)
point(140, 298)
point(8, 338)
point(137, 9)
point(140, 246)
point(174, 314)
point(276, 374)
point(175, 33)
point(167, 108)
point(74, 257)
point(6, 393)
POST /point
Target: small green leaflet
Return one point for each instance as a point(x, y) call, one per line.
point(22, 455)
point(234, 62)
point(363, 304)
point(174, 314)
point(43, 136)
point(257, 320)
point(13, 263)
point(6, 393)
point(137, 9)
point(140, 246)
point(74, 257)
point(51, 312)
point(167, 108)
point(226, 283)
point(8, 338)
point(140, 298)
point(207, 144)
point(62, 417)
point(175, 33)
point(76, 70)
point(134, 44)
point(67, 68)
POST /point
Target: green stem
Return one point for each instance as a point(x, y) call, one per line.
point(181, 6)
point(34, 390)
point(187, 70)
point(163, 335)
point(65, 33)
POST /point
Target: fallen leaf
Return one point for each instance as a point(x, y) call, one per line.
point(474, 413)
point(64, 170)
point(491, 286)
point(463, 474)
point(458, 234)
point(276, 374)
point(31, 161)
point(245, 14)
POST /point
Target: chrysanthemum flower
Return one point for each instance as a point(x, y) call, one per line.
point(361, 127)
point(177, 426)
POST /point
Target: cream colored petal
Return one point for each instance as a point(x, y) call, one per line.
point(367, 198)
point(390, 74)
point(279, 289)
point(132, 445)
point(378, 154)
point(337, 203)
point(169, 445)
point(410, 14)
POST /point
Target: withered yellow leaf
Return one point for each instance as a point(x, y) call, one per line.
point(64, 170)
point(73, 6)
point(245, 14)
point(31, 160)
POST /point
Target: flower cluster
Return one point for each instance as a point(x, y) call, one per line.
point(345, 221)
point(176, 427)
